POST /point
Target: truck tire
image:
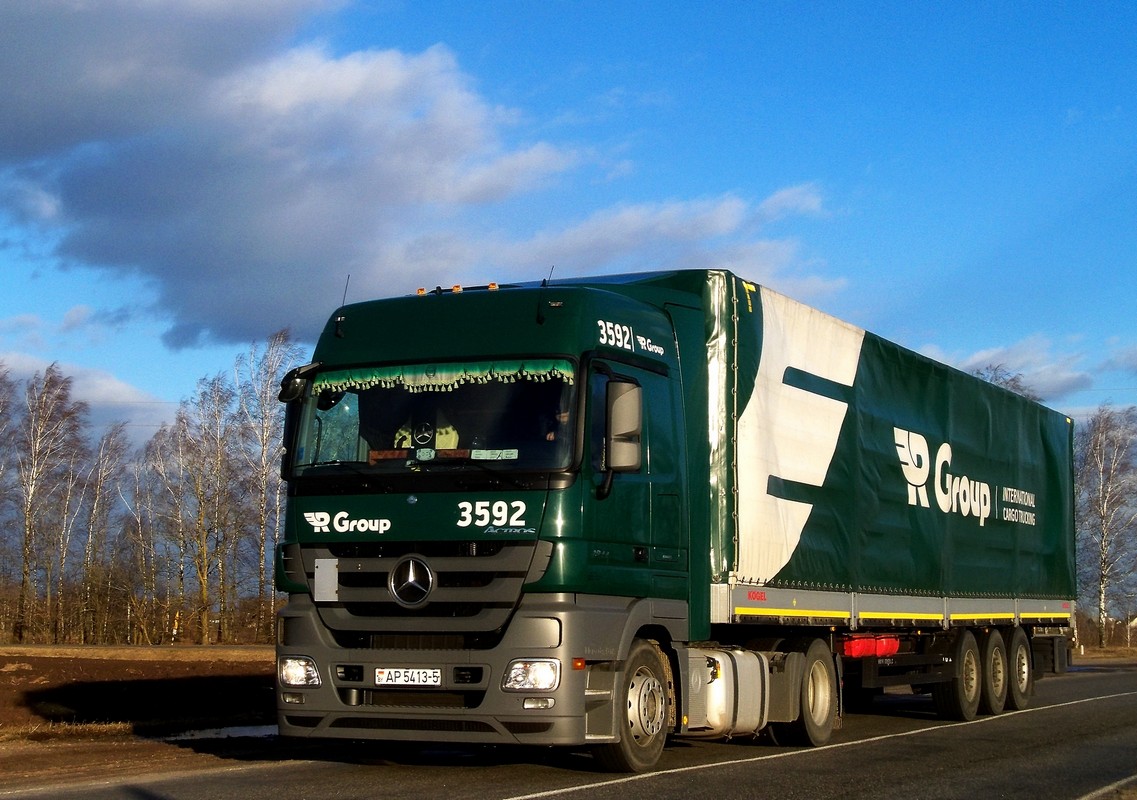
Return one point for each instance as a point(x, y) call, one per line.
point(1020, 660)
point(814, 725)
point(993, 657)
point(641, 706)
point(958, 698)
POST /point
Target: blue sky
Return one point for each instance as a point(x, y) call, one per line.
point(181, 179)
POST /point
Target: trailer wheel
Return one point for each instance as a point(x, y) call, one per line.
point(641, 707)
point(993, 696)
point(818, 715)
point(1020, 660)
point(959, 697)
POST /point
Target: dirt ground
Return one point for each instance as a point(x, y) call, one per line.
point(47, 692)
point(73, 714)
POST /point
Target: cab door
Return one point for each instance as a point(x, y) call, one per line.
point(636, 520)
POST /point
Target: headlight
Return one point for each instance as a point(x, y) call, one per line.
point(298, 671)
point(539, 674)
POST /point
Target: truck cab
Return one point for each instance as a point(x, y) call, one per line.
point(485, 509)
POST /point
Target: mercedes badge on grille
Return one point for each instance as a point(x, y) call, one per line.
point(411, 582)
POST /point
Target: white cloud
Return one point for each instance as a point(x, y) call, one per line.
point(1124, 360)
point(109, 400)
point(76, 318)
point(25, 330)
point(244, 179)
point(709, 233)
point(86, 73)
point(271, 179)
point(1051, 375)
point(793, 200)
point(80, 325)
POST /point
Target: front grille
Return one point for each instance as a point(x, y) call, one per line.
point(476, 587)
point(410, 699)
point(355, 640)
point(430, 549)
point(441, 725)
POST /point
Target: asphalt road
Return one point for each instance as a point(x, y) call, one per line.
point(1078, 741)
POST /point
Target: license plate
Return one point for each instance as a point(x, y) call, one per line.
point(407, 676)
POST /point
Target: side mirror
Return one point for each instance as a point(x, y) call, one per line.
point(293, 387)
point(625, 427)
point(291, 423)
point(295, 383)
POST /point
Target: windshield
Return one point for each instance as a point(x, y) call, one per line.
point(500, 414)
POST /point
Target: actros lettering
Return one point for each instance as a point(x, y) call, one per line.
point(955, 494)
point(342, 522)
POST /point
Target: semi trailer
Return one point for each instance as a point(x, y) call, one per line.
point(603, 512)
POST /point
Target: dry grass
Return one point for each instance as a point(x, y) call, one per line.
point(67, 731)
point(175, 653)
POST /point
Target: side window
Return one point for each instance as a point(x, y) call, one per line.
point(339, 429)
point(597, 402)
point(615, 423)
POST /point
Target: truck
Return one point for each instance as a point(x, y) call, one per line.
point(602, 512)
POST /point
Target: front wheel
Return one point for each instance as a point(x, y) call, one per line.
point(642, 705)
point(814, 726)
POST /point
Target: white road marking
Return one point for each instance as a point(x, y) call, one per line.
point(795, 753)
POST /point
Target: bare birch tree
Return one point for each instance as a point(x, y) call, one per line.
point(207, 438)
point(7, 430)
point(64, 508)
point(51, 429)
point(98, 561)
point(156, 593)
point(258, 375)
point(1106, 457)
point(8, 545)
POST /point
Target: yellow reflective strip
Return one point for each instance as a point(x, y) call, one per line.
point(989, 615)
point(1045, 615)
point(898, 615)
point(790, 612)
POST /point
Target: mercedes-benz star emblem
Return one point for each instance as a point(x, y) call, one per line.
point(411, 582)
point(423, 433)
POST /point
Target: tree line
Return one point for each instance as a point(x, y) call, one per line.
point(103, 542)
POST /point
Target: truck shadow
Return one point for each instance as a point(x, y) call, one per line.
point(157, 707)
point(211, 714)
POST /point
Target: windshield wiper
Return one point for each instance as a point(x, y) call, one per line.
point(353, 466)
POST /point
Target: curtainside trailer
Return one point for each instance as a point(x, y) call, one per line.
point(607, 511)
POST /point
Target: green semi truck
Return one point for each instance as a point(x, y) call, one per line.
point(604, 512)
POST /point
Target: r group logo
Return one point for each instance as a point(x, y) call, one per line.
point(955, 494)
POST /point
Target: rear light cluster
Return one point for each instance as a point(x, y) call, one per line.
point(866, 645)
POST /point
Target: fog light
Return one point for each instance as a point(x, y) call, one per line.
point(292, 698)
point(541, 674)
point(539, 703)
point(298, 671)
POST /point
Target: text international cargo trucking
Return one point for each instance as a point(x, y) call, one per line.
point(602, 512)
